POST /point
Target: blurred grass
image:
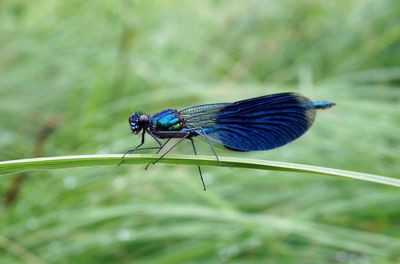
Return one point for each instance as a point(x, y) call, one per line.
point(92, 63)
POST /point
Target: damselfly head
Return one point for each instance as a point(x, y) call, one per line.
point(138, 122)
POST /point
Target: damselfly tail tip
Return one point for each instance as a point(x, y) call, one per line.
point(323, 104)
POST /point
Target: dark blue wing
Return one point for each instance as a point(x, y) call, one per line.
point(259, 123)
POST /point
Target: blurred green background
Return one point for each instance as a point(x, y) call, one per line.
point(72, 71)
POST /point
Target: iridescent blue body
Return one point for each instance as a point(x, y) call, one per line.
point(259, 123)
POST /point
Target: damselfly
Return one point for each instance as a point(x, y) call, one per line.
point(259, 123)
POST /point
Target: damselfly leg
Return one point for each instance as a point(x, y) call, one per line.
point(158, 151)
point(185, 136)
point(209, 143)
point(138, 147)
point(201, 174)
point(182, 136)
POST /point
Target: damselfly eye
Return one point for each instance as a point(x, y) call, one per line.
point(133, 122)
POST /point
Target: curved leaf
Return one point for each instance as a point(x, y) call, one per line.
point(14, 166)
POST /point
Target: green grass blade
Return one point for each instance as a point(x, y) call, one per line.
point(14, 166)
